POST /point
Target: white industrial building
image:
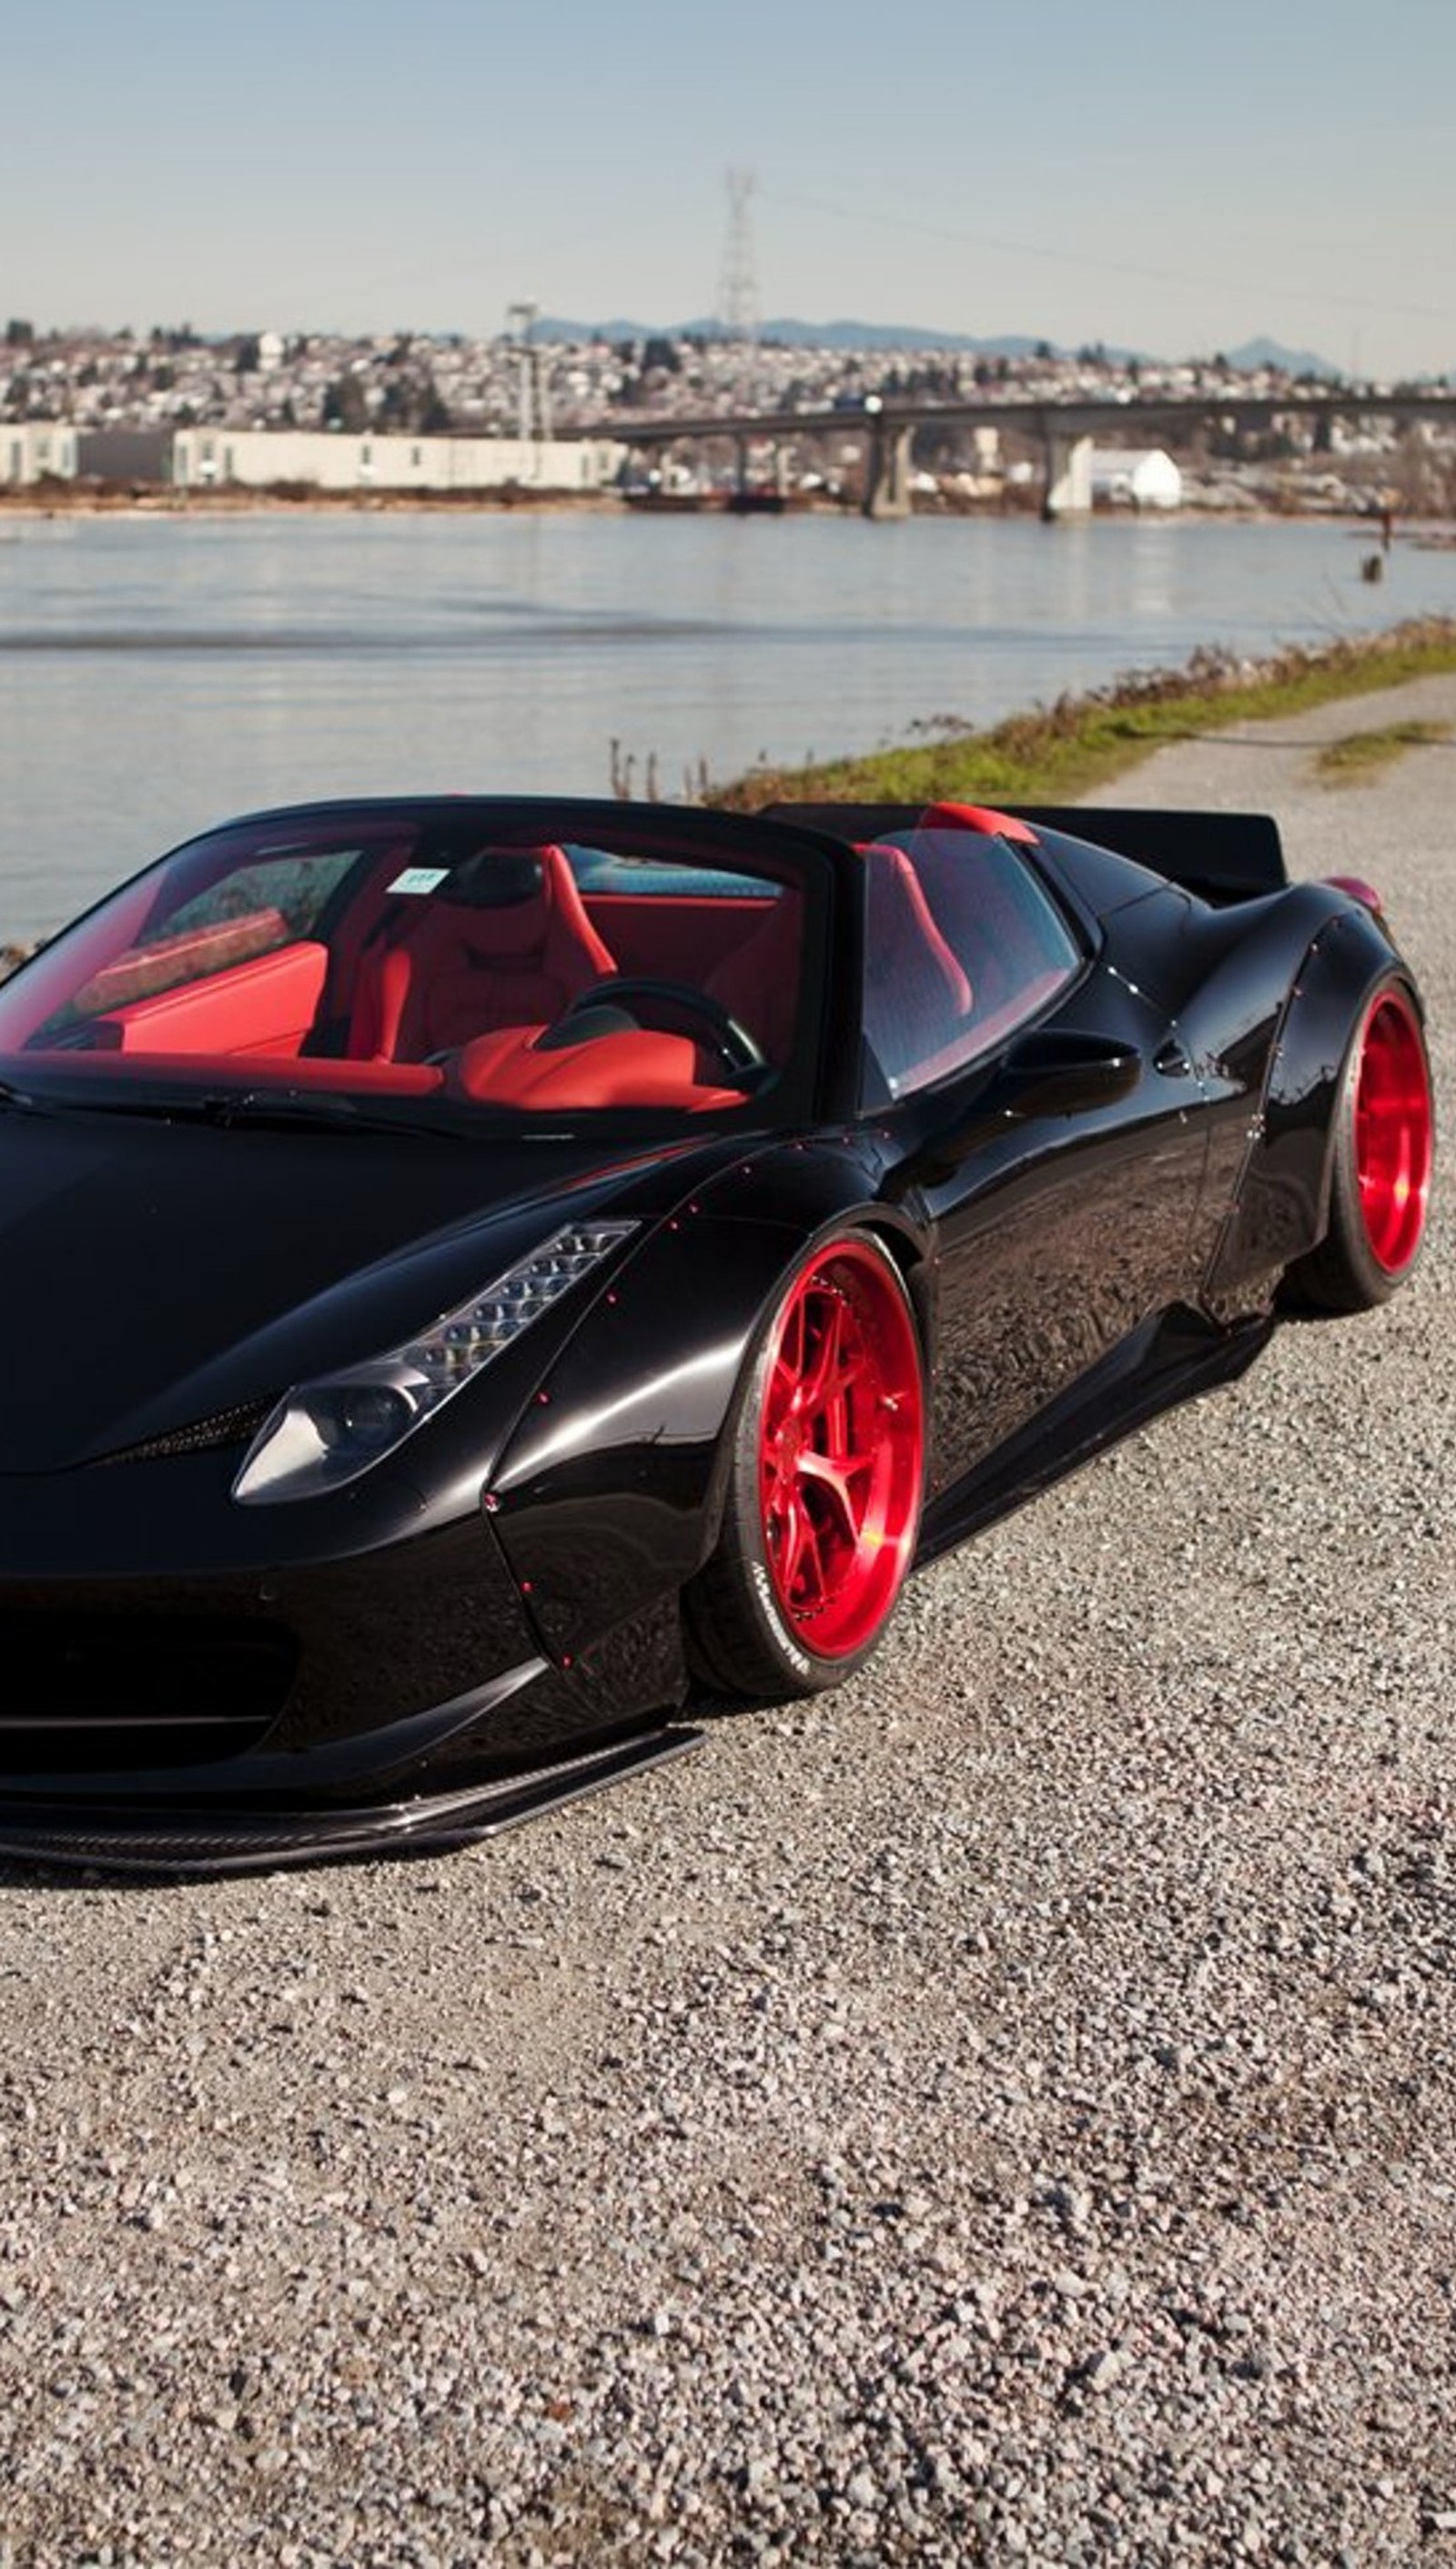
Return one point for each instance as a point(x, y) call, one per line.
point(330, 460)
point(1141, 477)
point(33, 449)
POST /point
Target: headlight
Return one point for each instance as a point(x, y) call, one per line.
point(325, 1433)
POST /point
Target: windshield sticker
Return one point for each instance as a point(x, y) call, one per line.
point(420, 879)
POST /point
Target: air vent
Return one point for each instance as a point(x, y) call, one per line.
point(104, 1692)
point(226, 1427)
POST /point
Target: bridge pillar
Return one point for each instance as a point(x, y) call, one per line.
point(1068, 475)
point(755, 488)
point(887, 469)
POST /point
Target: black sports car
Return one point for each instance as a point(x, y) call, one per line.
point(474, 1268)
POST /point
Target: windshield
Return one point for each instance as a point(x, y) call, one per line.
point(438, 956)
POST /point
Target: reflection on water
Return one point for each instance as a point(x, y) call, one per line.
point(156, 674)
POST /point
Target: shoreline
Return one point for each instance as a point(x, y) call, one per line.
point(29, 502)
point(1064, 753)
point(43, 504)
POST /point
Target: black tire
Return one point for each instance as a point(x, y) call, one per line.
point(1381, 1161)
point(825, 1482)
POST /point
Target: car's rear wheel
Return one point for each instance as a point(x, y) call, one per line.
point(826, 1475)
point(1380, 1172)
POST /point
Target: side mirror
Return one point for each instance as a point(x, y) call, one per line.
point(1055, 1072)
point(1047, 1072)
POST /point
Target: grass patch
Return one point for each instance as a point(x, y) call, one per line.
point(1056, 752)
point(1363, 755)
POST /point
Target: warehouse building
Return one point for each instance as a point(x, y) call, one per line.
point(36, 450)
point(1143, 477)
point(329, 460)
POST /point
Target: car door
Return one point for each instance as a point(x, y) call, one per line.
point(1059, 1157)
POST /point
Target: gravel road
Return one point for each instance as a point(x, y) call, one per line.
point(1003, 2113)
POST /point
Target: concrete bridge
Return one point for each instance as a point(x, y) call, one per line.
point(1066, 431)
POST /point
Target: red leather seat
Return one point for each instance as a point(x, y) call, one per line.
point(907, 959)
point(758, 983)
point(463, 967)
point(917, 994)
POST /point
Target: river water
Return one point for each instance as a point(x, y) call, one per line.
point(159, 673)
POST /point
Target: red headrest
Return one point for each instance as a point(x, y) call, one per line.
point(975, 816)
point(520, 926)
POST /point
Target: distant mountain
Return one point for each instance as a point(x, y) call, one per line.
point(1258, 353)
point(893, 334)
point(795, 334)
point(881, 337)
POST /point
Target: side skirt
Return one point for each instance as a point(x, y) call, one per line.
point(1167, 1360)
point(198, 1841)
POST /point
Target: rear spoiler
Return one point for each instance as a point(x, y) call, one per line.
point(1221, 856)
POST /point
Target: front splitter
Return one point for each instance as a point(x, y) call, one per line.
point(197, 1840)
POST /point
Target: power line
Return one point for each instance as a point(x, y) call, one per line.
point(1108, 266)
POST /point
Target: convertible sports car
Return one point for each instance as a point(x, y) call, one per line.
point(474, 1269)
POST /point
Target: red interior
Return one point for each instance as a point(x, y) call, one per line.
point(638, 1068)
point(688, 938)
point(404, 1078)
point(170, 963)
point(983, 1034)
point(757, 979)
point(909, 965)
point(266, 1006)
point(435, 976)
point(455, 969)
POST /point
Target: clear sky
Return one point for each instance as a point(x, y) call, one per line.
point(1170, 178)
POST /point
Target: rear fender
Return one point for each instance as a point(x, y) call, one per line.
point(1236, 969)
point(1282, 1208)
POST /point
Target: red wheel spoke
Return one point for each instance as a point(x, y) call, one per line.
point(814, 1588)
point(787, 1372)
point(822, 1368)
point(843, 1365)
point(801, 1546)
point(778, 1401)
point(830, 1477)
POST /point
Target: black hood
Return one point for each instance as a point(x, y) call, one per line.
point(154, 1273)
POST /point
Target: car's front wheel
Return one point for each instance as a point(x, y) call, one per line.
point(1380, 1167)
point(826, 1476)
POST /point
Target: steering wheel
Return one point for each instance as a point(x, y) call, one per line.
point(676, 1007)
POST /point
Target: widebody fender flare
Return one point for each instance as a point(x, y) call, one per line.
point(608, 1496)
point(1282, 1206)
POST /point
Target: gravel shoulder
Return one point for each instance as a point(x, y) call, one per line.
point(1002, 2113)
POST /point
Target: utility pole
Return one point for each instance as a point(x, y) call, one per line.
point(533, 399)
point(738, 293)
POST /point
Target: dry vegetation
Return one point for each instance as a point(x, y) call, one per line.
point(1362, 756)
point(1056, 752)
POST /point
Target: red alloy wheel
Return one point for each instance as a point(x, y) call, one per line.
point(1392, 1132)
point(841, 1450)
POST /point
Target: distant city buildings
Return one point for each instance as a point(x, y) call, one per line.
point(405, 411)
